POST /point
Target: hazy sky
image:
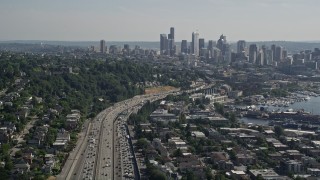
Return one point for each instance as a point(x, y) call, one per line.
point(144, 20)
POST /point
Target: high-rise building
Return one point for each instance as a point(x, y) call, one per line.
point(163, 44)
point(103, 46)
point(260, 58)
point(253, 51)
point(269, 57)
point(225, 49)
point(172, 32)
point(171, 42)
point(273, 48)
point(126, 49)
point(285, 54)
point(278, 53)
point(222, 42)
point(202, 49)
point(195, 44)
point(241, 46)
point(201, 43)
point(184, 46)
point(211, 44)
point(227, 54)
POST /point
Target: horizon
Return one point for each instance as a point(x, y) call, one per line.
point(155, 41)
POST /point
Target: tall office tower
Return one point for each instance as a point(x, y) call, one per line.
point(172, 32)
point(284, 54)
point(221, 42)
point(171, 43)
point(202, 49)
point(211, 44)
point(184, 46)
point(269, 57)
point(241, 46)
point(260, 59)
point(225, 49)
point(278, 53)
point(103, 46)
point(170, 47)
point(195, 43)
point(201, 43)
point(126, 48)
point(253, 50)
point(227, 54)
point(163, 44)
point(273, 48)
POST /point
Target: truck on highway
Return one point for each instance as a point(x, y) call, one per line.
point(92, 140)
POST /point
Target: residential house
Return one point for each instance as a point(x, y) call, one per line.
point(239, 175)
point(198, 134)
point(40, 134)
point(63, 137)
point(73, 119)
point(5, 135)
point(245, 159)
point(159, 146)
point(268, 174)
point(49, 163)
point(293, 154)
point(162, 115)
point(314, 171)
point(221, 159)
point(28, 156)
point(21, 167)
point(177, 143)
point(292, 166)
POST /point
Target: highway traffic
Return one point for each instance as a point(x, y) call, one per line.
point(103, 152)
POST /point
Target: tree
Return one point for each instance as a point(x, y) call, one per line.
point(177, 153)
point(157, 175)
point(278, 131)
point(233, 120)
point(219, 108)
point(142, 143)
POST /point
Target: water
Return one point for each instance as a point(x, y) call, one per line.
point(312, 106)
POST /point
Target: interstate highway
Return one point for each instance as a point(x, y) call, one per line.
point(92, 158)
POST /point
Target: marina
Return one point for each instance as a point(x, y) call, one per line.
point(305, 103)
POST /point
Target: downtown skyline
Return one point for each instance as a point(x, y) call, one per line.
point(266, 20)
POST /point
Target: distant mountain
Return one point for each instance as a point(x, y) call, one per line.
point(291, 46)
point(132, 44)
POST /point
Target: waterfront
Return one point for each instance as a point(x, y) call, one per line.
point(312, 106)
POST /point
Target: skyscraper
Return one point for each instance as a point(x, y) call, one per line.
point(211, 44)
point(222, 42)
point(278, 53)
point(184, 46)
point(202, 49)
point(201, 43)
point(172, 32)
point(225, 49)
point(273, 48)
point(253, 50)
point(269, 57)
point(195, 43)
point(103, 46)
point(126, 48)
point(241, 46)
point(163, 44)
point(260, 58)
point(171, 42)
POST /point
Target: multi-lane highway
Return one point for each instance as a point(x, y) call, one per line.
point(102, 151)
point(103, 143)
